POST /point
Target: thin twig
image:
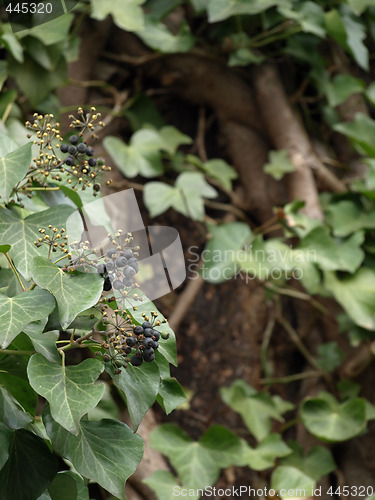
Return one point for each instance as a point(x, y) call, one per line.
point(291, 378)
point(265, 343)
point(15, 272)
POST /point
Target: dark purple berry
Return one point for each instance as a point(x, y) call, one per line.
point(96, 187)
point(70, 161)
point(90, 151)
point(81, 148)
point(128, 283)
point(110, 265)
point(155, 335)
point(128, 254)
point(72, 150)
point(138, 330)
point(92, 162)
point(107, 284)
point(121, 261)
point(131, 341)
point(136, 360)
point(147, 332)
point(74, 139)
point(146, 324)
point(148, 342)
point(101, 268)
point(64, 148)
point(129, 272)
point(118, 285)
point(110, 252)
point(148, 355)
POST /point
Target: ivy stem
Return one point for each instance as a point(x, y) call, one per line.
point(61, 258)
point(15, 272)
point(17, 353)
point(73, 344)
point(291, 378)
point(57, 188)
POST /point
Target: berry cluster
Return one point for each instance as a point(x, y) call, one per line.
point(54, 238)
point(129, 343)
point(120, 264)
point(79, 168)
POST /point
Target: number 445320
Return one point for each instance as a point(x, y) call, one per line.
point(29, 8)
point(353, 491)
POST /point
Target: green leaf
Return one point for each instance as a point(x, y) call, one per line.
point(142, 155)
point(291, 479)
point(198, 464)
point(256, 408)
point(63, 487)
point(29, 469)
point(171, 395)
point(317, 463)
point(186, 197)
point(70, 390)
point(331, 255)
point(355, 294)
point(218, 10)
point(13, 169)
point(264, 455)
point(279, 164)
point(164, 484)
point(329, 420)
point(309, 15)
point(361, 131)
point(51, 32)
point(66, 288)
point(243, 57)
point(359, 6)
point(330, 356)
point(345, 217)
point(140, 386)
point(356, 34)
point(11, 42)
point(220, 171)
point(219, 256)
point(21, 234)
point(342, 87)
point(17, 312)
point(43, 342)
point(11, 412)
point(157, 36)
point(13, 377)
point(3, 73)
point(107, 452)
point(5, 248)
point(127, 14)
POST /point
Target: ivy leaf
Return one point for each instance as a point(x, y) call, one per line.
point(11, 412)
point(17, 312)
point(5, 248)
point(361, 131)
point(330, 356)
point(163, 483)
point(331, 256)
point(171, 395)
point(21, 234)
point(157, 36)
point(289, 478)
point(13, 376)
point(256, 408)
point(127, 14)
point(220, 171)
point(355, 294)
point(67, 288)
point(342, 87)
point(70, 390)
point(317, 463)
point(264, 455)
point(227, 239)
point(243, 57)
point(279, 164)
point(13, 168)
point(63, 487)
point(139, 386)
point(107, 451)
point(218, 10)
point(198, 464)
point(11, 42)
point(186, 196)
point(345, 217)
point(329, 420)
point(24, 476)
point(43, 342)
